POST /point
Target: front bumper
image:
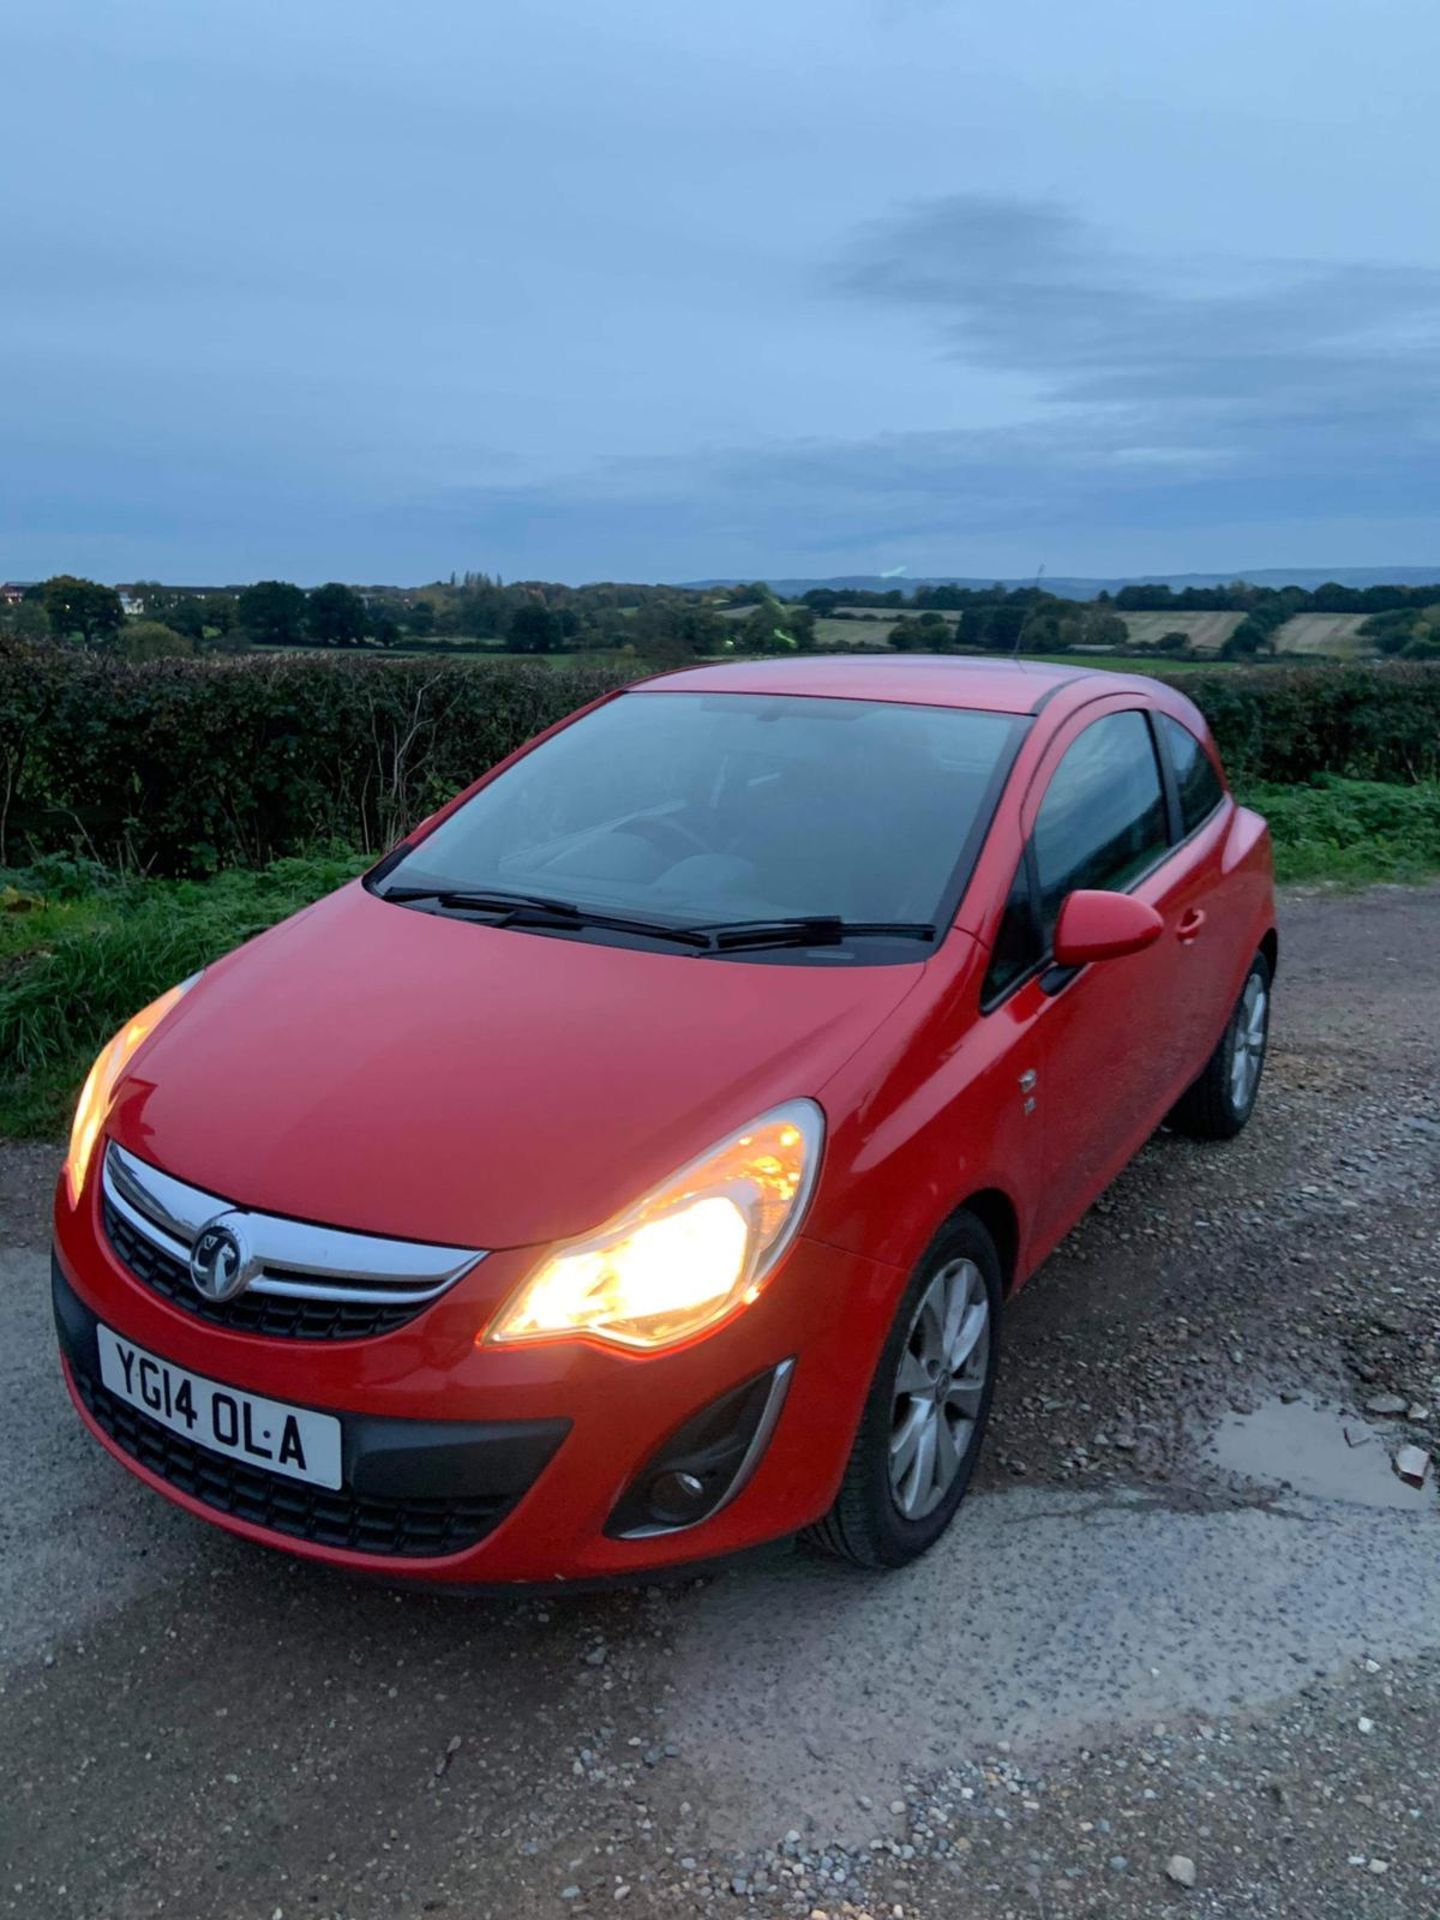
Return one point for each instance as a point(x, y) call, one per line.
point(479, 1465)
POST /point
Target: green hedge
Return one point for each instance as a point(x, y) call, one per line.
point(184, 766)
point(1290, 723)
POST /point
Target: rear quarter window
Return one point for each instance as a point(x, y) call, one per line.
point(1196, 780)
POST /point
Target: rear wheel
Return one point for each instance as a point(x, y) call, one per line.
point(1219, 1103)
point(920, 1433)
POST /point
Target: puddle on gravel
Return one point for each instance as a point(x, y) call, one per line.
point(1318, 1452)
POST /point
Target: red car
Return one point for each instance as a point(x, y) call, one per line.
point(634, 1165)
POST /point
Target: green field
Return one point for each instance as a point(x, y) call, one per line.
point(854, 633)
point(1206, 632)
point(1334, 636)
point(1309, 636)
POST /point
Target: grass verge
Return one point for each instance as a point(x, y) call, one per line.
point(1353, 832)
point(81, 950)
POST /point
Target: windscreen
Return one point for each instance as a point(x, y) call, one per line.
point(695, 808)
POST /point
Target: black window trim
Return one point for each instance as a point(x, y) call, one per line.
point(1053, 979)
point(1032, 895)
point(973, 845)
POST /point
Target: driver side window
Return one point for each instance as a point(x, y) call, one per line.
point(1102, 822)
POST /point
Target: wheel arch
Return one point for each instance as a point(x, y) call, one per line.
point(995, 1211)
point(1270, 947)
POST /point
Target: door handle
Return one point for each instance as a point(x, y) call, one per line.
point(1190, 925)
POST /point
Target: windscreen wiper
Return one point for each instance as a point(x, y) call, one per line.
point(807, 930)
point(538, 910)
point(479, 898)
point(722, 936)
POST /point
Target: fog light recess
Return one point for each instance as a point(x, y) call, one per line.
point(703, 1465)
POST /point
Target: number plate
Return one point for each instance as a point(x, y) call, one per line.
point(293, 1441)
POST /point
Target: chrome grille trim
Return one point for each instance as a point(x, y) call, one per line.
point(297, 1260)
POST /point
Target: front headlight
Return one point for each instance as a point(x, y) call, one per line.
point(686, 1256)
point(101, 1081)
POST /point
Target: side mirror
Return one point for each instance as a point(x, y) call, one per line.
point(1103, 926)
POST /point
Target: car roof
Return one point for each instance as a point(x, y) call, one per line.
point(916, 679)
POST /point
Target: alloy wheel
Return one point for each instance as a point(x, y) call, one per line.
point(1248, 1056)
point(939, 1388)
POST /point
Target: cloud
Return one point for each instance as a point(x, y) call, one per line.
point(1167, 397)
point(1161, 413)
point(1028, 287)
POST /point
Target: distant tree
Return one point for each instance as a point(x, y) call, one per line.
point(479, 608)
point(185, 615)
point(83, 607)
point(998, 629)
point(25, 621)
point(609, 628)
point(219, 611)
point(1173, 642)
point(928, 633)
point(1408, 633)
point(420, 619)
point(774, 627)
point(1103, 628)
point(533, 628)
point(385, 628)
point(760, 629)
point(152, 640)
point(1395, 620)
point(1049, 633)
point(272, 613)
point(197, 615)
point(335, 616)
point(660, 632)
point(800, 621)
point(1245, 642)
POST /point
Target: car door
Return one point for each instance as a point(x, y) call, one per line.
point(1212, 908)
point(1098, 1041)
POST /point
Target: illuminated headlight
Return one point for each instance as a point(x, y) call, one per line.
point(102, 1080)
point(693, 1251)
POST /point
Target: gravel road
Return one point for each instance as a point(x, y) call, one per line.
point(1179, 1656)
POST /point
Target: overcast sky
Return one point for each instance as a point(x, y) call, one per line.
point(663, 289)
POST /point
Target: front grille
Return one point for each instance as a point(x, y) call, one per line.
point(288, 1315)
point(409, 1528)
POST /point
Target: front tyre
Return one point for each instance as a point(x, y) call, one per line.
point(1217, 1105)
point(920, 1433)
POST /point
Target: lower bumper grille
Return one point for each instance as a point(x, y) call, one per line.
point(412, 1527)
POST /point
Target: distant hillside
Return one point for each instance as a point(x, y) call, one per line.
point(1072, 588)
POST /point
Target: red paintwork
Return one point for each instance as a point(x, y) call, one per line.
point(1103, 926)
point(400, 1073)
point(558, 1082)
point(926, 680)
